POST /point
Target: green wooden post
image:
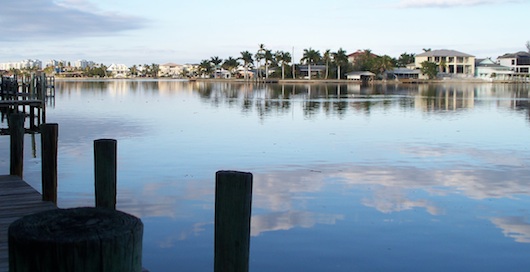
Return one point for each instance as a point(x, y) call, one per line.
point(233, 205)
point(105, 169)
point(16, 132)
point(49, 138)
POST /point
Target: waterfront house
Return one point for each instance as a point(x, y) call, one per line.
point(362, 76)
point(244, 72)
point(488, 70)
point(314, 69)
point(170, 70)
point(222, 73)
point(118, 70)
point(402, 73)
point(518, 62)
point(353, 56)
point(451, 63)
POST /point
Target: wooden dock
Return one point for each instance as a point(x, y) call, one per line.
point(26, 94)
point(17, 199)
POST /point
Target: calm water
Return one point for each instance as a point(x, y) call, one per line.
point(346, 178)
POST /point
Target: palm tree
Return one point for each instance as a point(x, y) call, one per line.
point(134, 70)
point(268, 59)
point(442, 65)
point(340, 58)
point(327, 59)
point(216, 61)
point(246, 57)
point(147, 70)
point(282, 58)
point(230, 64)
point(405, 59)
point(205, 67)
point(384, 63)
point(259, 56)
point(310, 57)
point(154, 70)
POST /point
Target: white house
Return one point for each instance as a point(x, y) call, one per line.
point(488, 70)
point(170, 70)
point(360, 76)
point(222, 73)
point(518, 62)
point(118, 70)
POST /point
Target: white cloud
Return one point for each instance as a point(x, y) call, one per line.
point(47, 19)
point(449, 3)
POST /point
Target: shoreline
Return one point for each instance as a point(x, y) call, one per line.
point(299, 81)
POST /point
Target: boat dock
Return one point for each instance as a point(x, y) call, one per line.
point(26, 94)
point(17, 199)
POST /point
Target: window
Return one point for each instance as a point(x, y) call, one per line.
point(523, 61)
point(513, 62)
point(436, 59)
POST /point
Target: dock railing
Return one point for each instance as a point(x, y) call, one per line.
point(26, 94)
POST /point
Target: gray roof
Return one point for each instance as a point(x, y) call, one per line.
point(514, 55)
point(487, 62)
point(360, 73)
point(401, 70)
point(443, 53)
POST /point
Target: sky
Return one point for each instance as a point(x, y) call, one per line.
point(160, 31)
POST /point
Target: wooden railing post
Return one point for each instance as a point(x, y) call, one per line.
point(233, 205)
point(49, 138)
point(16, 132)
point(105, 170)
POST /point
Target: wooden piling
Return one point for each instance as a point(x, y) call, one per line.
point(105, 170)
point(49, 138)
point(233, 205)
point(78, 239)
point(16, 132)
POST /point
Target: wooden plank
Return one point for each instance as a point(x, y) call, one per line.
point(29, 102)
point(17, 199)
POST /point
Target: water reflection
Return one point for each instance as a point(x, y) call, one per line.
point(335, 99)
point(290, 219)
point(341, 160)
point(515, 227)
point(338, 99)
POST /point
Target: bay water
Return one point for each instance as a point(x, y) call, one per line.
point(429, 177)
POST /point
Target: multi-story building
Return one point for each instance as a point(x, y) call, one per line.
point(518, 62)
point(25, 64)
point(170, 70)
point(84, 64)
point(450, 62)
point(118, 70)
point(56, 63)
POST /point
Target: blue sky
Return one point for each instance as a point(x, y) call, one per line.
point(160, 31)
